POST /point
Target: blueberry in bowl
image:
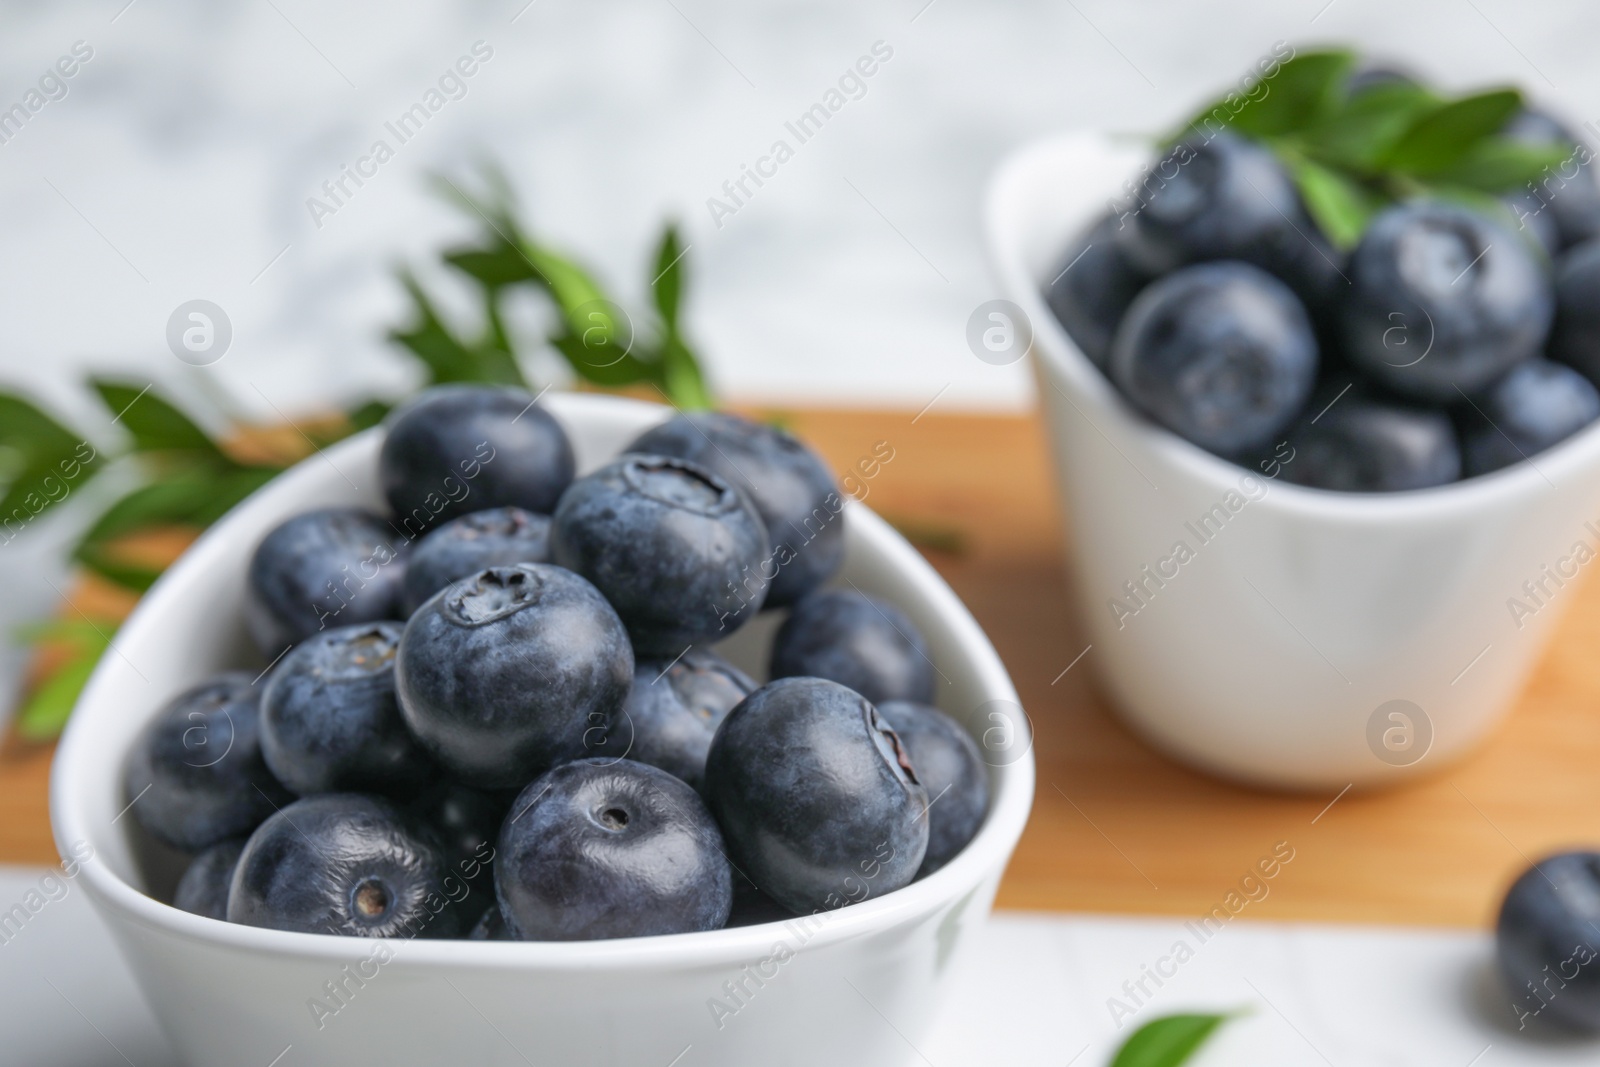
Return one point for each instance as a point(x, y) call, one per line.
point(792, 490)
point(816, 795)
point(857, 640)
point(1575, 335)
point(1366, 444)
point(673, 712)
point(473, 542)
point(676, 549)
point(505, 673)
point(330, 721)
point(951, 769)
point(462, 448)
point(345, 864)
point(203, 889)
point(601, 848)
point(1094, 286)
point(320, 569)
point(196, 775)
point(1222, 354)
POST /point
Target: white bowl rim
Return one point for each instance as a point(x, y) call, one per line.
point(986, 854)
point(1502, 488)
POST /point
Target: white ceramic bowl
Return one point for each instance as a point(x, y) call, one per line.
point(828, 990)
point(1274, 653)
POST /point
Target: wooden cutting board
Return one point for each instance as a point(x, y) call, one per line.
point(1116, 827)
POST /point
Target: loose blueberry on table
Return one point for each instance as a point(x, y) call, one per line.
point(1548, 941)
point(491, 746)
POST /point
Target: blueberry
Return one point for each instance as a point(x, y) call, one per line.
point(1575, 337)
point(790, 486)
point(1217, 199)
point(196, 776)
point(599, 849)
point(462, 547)
point(342, 863)
point(1443, 301)
point(752, 907)
point(507, 672)
point(1363, 445)
point(816, 796)
point(1220, 353)
point(1568, 191)
point(1548, 937)
point(330, 722)
point(203, 889)
point(455, 449)
point(865, 643)
point(1534, 222)
point(463, 824)
point(950, 768)
point(333, 567)
point(1534, 406)
point(673, 711)
point(490, 927)
point(674, 548)
point(1092, 286)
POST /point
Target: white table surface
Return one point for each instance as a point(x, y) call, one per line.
point(1033, 994)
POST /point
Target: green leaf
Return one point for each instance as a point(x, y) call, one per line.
point(1167, 1041)
point(494, 267)
point(1300, 93)
point(1439, 137)
point(447, 357)
point(366, 415)
point(1500, 165)
point(155, 424)
point(133, 576)
point(46, 711)
point(681, 379)
point(1367, 124)
point(667, 286)
point(41, 463)
point(603, 363)
point(1338, 204)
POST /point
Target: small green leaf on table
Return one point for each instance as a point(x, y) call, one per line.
point(44, 714)
point(1168, 1041)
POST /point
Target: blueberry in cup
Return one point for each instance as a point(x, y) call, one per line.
point(673, 712)
point(859, 641)
point(464, 546)
point(1535, 405)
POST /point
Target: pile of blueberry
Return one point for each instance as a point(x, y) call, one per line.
point(496, 713)
point(1451, 342)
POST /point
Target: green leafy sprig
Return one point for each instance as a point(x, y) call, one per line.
point(1168, 1041)
point(1354, 150)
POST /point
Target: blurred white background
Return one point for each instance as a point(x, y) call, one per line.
point(179, 164)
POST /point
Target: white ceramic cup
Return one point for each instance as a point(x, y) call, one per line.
point(1306, 638)
point(821, 991)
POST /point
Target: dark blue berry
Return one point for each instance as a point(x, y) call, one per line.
point(455, 449)
point(330, 722)
point(1220, 353)
point(1443, 301)
point(319, 570)
point(1363, 445)
point(490, 927)
point(1224, 198)
point(203, 889)
point(1548, 940)
point(950, 768)
point(1536, 405)
point(1092, 286)
point(674, 710)
point(752, 907)
point(463, 824)
point(507, 672)
point(342, 863)
point(859, 641)
point(462, 547)
point(600, 848)
point(1575, 337)
point(790, 486)
point(1567, 191)
point(196, 776)
point(816, 796)
point(675, 549)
